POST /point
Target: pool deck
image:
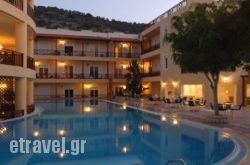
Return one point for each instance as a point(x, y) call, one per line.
point(238, 125)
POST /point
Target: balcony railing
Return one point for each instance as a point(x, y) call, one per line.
point(168, 13)
point(30, 63)
point(30, 12)
point(78, 76)
point(9, 57)
point(54, 52)
point(17, 3)
point(151, 48)
point(151, 74)
point(8, 111)
point(30, 108)
point(57, 96)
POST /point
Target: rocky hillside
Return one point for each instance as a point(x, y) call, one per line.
point(53, 18)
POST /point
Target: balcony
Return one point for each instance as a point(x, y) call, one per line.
point(30, 63)
point(17, 3)
point(54, 52)
point(79, 76)
point(30, 12)
point(168, 13)
point(62, 97)
point(8, 111)
point(151, 74)
point(151, 48)
point(9, 57)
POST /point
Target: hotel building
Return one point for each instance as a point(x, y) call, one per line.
point(91, 64)
point(17, 34)
point(76, 64)
point(156, 55)
point(73, 64)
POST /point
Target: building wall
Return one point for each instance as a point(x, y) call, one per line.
point(17, 33)
point(94, 66)
point(176, 83)
point(111, 53)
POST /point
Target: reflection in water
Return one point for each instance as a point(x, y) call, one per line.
point(113, 135)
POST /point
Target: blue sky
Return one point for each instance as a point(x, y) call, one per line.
point(139, 11)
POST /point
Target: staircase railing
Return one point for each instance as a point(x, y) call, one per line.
point(176, 160)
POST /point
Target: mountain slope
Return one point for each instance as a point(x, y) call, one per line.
point(53, 18)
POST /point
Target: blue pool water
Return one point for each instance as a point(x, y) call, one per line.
point(115, 135)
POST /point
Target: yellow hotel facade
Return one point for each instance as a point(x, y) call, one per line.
point(92, 64)
point(60, 63)
point(17, 34)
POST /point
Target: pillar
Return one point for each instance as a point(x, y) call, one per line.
point(21, 94)
point(30, 96)
point(21, 41)
point(31, 48)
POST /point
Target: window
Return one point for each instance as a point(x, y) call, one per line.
point(94, 72)
point(68, 50)
point(166, 62)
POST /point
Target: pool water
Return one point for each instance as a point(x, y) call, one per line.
point(115, 135)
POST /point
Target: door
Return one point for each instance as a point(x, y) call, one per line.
point(94, 93)
point(94, 72)
point(69, 93)
point(118, 91)
point(68, 50)
point(43, 72)
point(68, 71)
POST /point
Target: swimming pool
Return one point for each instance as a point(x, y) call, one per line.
point(117, 134)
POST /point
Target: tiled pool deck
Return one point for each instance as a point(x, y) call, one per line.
point(238, 125)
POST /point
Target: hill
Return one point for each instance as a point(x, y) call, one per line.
point(53, 18)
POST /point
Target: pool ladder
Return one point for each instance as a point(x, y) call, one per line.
point(176, 160)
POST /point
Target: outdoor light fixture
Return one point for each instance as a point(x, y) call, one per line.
point(62, 64)
point(175, 122)
point(225, 135)
point(175, 84)
point(3, 86)
point(61, 42)
point(226, 80)
point(163, 83)
point(37, 63)
point(124, 45)
point(124, 106)
point(163, 118)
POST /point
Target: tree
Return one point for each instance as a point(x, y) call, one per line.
point(203, 41)
point(133, 79)
point(242, 24)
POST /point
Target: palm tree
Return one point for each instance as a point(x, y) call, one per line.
point(133, 79)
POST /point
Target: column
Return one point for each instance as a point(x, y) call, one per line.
point(21, 41)
point(21, 94)
point(30, 96)
point(25, 6)
point(163, 86)
point(31, 48)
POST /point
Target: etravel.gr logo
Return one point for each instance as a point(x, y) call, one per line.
point(47, 146)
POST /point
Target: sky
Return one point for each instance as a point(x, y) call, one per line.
point(139, 11)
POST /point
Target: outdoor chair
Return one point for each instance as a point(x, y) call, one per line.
point(203, 103)
point(191, 103)
point(237, 108)
point(192, 106)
